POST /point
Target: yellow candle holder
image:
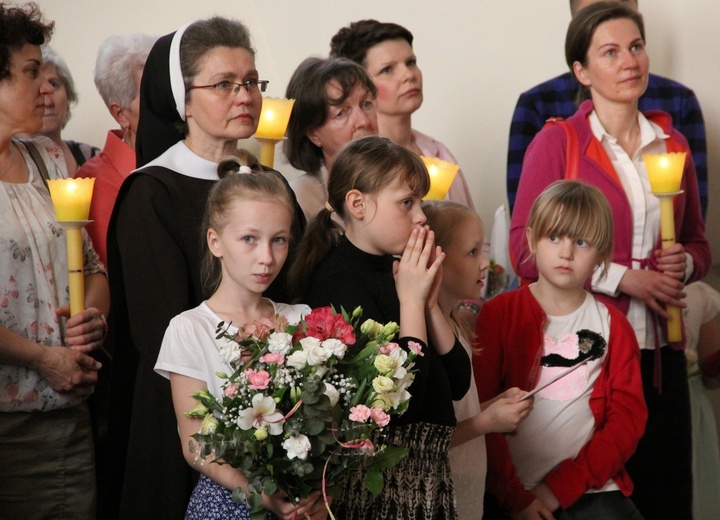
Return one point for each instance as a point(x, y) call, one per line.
point(442, 174)
point(274, 120)
point(665, 174)
point(71, 200)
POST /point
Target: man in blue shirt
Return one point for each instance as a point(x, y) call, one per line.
point(556, 98)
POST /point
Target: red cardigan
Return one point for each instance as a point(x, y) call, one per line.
point(510, 335)
point(545, 163)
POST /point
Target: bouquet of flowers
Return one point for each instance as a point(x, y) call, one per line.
point(304, 402)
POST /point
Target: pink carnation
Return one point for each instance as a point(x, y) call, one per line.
point(272, 359)
point(379, 416)
point(231, 390)
point(322, 324)
point(416, 348)
point(386, 349)
point(258, 379)
point(359, 413)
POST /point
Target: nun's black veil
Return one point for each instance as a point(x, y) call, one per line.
point(160, 125)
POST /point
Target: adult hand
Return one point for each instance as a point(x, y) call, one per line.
point(86, 330)
point(654, 288)
point(69, 371)
point(312, 507)
point(535, 511)
point(672, 261)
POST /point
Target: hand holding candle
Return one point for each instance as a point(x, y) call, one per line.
point(274, 119)
point(442, 174)
point(71, 199)
point(665, 174)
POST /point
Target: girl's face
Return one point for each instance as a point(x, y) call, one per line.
point(393, 68)
point(213, 117)
point(465, 265)
point(22, 93)
point(56, 103)
point(253, 243)
point(388, 218)
point(562, 262)
point(617, 64)
point(356, 117)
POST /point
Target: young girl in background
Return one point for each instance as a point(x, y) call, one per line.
point(567, 458)
point(247, 228)
point(459, 232)
point(375, 187)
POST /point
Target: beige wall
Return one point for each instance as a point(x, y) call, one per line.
point(477, 57)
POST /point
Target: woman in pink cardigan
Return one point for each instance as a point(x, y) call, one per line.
point(605, 49)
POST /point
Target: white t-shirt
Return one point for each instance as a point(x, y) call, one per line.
point(561, 421)
point(189, 347)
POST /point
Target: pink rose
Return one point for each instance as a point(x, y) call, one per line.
point(416, 348)
point(272, 359)
point(379, 416)
point(386, 349)
point(359, 413)
point(258, 379)
point(231, 390)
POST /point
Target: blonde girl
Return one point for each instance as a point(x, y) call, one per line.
point(376, 187)
point(247, 228)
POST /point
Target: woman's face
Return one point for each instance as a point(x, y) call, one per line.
point(21, 94)
point(617, 64)
point(211, 116)
point(354, 118)
point(56, 103)
point(393, 68)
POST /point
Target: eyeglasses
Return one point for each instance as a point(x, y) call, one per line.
point(230, 88)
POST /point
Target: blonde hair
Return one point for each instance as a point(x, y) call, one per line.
point(576, 210)
point(242, 178)
point(369, 165)
point(445, 218)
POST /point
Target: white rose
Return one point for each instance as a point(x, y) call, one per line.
point(230, 352)
point(335, 347)
point(297, 447)
point(332, 394)
point(280, 343)
point(297, 360)
point(316, 355)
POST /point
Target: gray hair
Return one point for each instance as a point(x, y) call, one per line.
point(117, 60)
point(53, 58)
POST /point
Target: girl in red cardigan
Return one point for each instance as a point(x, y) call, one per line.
point(567, 458)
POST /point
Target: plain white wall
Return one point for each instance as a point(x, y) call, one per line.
point(477, 56)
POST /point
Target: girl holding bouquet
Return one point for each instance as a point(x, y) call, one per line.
point(375, 187)
point(459, 232)
point(247, 225)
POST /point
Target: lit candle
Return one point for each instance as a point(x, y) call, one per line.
point(71, 199)
point(274, 119)
point(665, 174)
point(442, 174)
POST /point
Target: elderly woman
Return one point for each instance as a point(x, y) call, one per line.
point(57, 110)
point(334, 104)
point(605, 49)
point(385, 50)
point(118, 70)
point(200, 93)
point(45, 371)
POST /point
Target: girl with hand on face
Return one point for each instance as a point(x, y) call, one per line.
point(385, 50)
point(247, 226)
point(567, 458)
point(375, 187)
point(459, 232)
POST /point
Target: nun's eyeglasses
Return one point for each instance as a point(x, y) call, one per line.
point(230, 88)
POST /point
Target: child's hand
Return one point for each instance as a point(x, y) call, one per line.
point(505, 414)
point(313, 506)
point(415, 273)
point(535, 511)
point(86, 330)
point(672, 261)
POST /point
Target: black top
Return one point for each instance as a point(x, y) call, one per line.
point(349, 277)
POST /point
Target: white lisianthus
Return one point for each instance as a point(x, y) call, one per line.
point(332, 394)
point(297, 447)
point(383, 401)
point(209, 425)
point(371, 328)
point(316, 355)
point(297, 360)
point(280, 343)
point(385, 364)
point(399, 356)
point(230, 352)
point(389, 330)
point(335, 347)
point(383, 385)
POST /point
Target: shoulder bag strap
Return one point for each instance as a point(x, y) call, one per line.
point(32, 149)
point(572, 152)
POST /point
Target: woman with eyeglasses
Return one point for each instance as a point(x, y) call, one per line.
point(200, 93)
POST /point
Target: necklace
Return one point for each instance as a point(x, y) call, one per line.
point(7, 168)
